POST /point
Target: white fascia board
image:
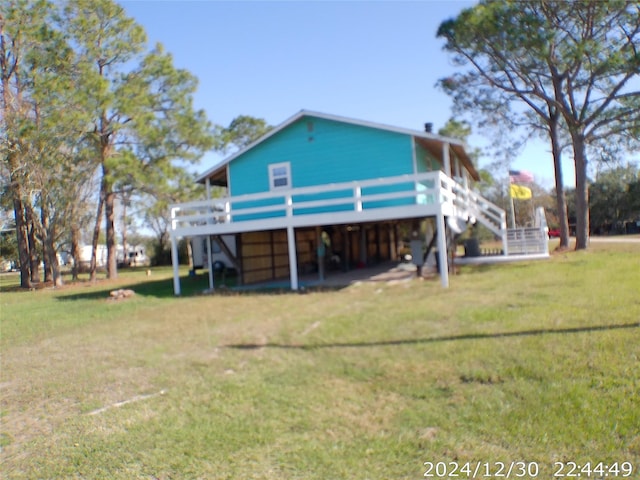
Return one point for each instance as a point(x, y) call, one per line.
point(298, 221)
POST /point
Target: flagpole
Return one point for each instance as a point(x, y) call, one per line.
point(516, 177)
point(513, 210)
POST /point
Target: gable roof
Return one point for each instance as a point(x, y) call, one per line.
point(430, 141)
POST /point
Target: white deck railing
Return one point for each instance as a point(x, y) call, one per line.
point(425, 188)
point(491, 215)
point(527, 241)
point(425, 194)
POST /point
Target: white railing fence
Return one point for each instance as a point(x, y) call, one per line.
point(526, 241)
point(424, 188)
point(428, 188)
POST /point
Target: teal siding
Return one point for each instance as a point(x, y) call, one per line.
point(322, 152)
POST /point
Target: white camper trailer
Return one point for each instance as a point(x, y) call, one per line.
point(86, 251)
point(219, 259)
point(134, 257)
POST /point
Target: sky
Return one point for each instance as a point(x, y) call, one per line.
point(377, 61)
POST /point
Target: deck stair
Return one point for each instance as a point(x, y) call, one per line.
point(471, 206)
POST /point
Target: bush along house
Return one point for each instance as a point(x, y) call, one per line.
point(321, 190)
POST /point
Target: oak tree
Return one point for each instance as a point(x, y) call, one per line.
point(571, 63)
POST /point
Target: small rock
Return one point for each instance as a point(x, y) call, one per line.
point(121, 293)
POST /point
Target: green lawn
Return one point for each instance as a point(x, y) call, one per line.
point(535, 362)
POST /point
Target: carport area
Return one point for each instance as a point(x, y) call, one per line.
point(329, 255)
point(389, 271)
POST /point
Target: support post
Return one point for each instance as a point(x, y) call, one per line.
point(207, 184)
point(293, 259)
point(363, 244)
point(391, 240)
point(446, 160)
point(346, 250)
point(210, 262)
point(442, 251)
point(176, 266)
point(321, 253)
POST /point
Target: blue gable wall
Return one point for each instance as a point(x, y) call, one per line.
point(322, 151)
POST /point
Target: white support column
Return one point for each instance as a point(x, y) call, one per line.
point(446, 160)
point(176, 266)
point(210, 262)
point(442, 250)
point(293, 260)
point(207, 184)
point(503, 227)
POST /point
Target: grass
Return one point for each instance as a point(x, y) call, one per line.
point(535, 361)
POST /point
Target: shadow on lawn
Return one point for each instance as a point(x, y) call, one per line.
point(160, 288)
point(446, 338)
point(190, 286)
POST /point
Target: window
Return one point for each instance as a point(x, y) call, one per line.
point(279, 176)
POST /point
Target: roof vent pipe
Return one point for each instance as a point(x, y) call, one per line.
point(428, 127)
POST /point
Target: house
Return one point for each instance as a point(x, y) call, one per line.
point(321, 189)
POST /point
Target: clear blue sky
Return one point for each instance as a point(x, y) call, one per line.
point(370, 60)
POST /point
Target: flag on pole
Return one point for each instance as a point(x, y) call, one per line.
point(520, 176)
point(519, 192)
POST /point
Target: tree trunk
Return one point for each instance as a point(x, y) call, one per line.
point(189, 252)
point(21, 221)
point(52, 271)
point(34, 260)
point(13, 160)
point(125, 254)
point(96, 234)
point(109, 211)
point(47, 245)
point(582, 191)
point(75, 250)
point(55, 265)
point(23, 242)
point(561, 200)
